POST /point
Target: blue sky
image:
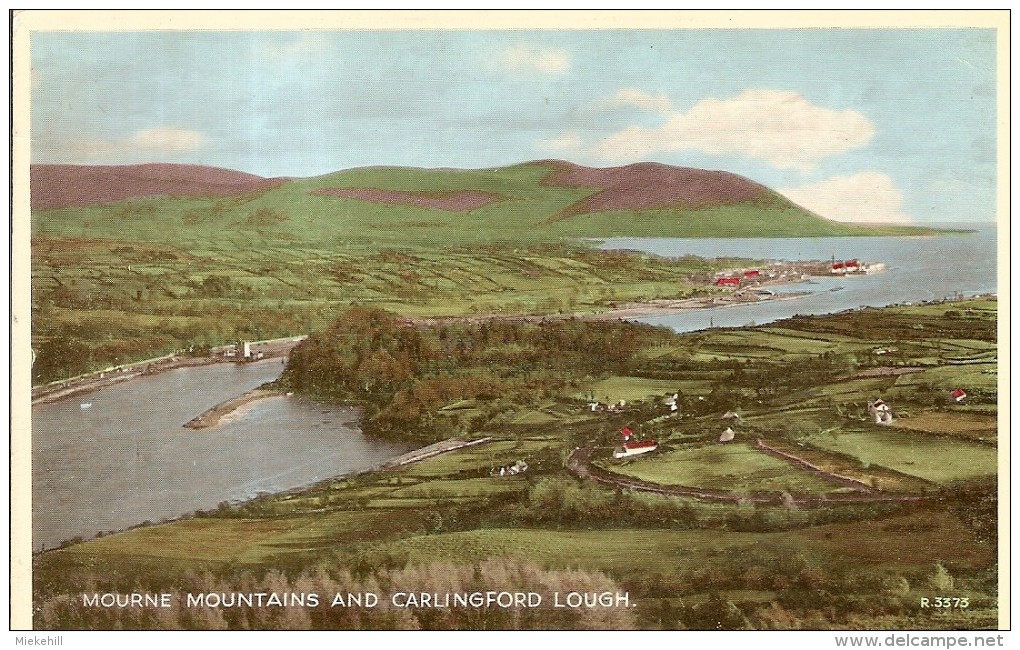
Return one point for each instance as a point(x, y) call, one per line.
point(856, 124)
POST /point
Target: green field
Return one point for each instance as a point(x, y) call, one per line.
point(624, 551)
point(735, 467)
point(977, 377)
point(934, 459)
point(964, 424)
point(475, 487)
point(614, 389)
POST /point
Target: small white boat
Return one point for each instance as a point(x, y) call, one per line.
point(85, 405)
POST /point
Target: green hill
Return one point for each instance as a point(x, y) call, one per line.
point(382, 207)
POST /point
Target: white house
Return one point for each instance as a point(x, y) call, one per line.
point(880, 411)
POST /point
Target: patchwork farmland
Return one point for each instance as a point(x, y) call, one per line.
point(772, 542)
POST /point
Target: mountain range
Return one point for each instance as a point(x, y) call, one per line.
point(548, 199)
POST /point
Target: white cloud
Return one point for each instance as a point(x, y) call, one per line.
point(142, 144)
point(863, 197)
point(166, 139)
point(779, 127)
point(631, 97)
point(547, 61)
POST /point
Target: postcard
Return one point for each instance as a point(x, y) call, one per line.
point(687, 321)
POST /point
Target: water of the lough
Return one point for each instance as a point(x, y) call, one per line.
point(918, 269)
point(127, 458)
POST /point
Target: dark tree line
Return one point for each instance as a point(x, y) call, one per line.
point(402, 375)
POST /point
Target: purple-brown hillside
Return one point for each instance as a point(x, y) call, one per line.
point(650, 186)
point(451, 201)
point(63, 186)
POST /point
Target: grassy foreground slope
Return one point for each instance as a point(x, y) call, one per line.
point(452, 523)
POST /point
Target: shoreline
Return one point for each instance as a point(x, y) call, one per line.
point(213, 417)
point(106, 378)
point(94, 381)
point(654, 307)
point(668, 307)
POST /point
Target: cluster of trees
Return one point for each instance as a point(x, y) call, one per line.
point(402, 375)
point(60, 356)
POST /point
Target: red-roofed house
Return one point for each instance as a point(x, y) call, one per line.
point(635, 448)
point(727, 282)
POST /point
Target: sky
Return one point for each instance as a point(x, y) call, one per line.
point(888, 125)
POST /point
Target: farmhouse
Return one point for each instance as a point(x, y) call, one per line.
point(619, 406)
point(728, 282)
point(880, 411)
point(958, 395)
point(511, 470)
